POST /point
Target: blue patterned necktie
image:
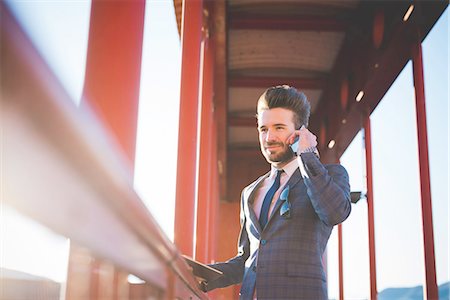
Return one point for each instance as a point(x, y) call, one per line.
point(264, 214)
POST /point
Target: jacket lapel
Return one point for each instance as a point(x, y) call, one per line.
point(249, 198)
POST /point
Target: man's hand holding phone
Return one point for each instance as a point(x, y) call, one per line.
point(302, 141)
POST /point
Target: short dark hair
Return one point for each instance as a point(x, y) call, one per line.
point(288, 97)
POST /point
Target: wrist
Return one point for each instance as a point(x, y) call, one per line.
point(311, 149)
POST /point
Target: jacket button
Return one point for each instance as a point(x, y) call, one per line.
point(263, 242)
point(254, 268)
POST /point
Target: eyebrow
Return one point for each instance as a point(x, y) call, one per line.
point(274, 125)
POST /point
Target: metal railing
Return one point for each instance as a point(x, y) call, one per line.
point(61, 169)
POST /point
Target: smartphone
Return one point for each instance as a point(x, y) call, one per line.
point(294, 146)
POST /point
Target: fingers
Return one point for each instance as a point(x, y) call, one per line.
point(307, 138)
point(303, 132)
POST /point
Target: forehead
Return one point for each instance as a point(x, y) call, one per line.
point(277, 115)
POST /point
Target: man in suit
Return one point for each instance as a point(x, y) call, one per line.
point(287, 214)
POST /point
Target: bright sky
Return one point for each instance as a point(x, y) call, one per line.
point(394, 139)
point(155, 173)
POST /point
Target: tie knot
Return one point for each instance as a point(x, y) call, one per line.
point(279, 172)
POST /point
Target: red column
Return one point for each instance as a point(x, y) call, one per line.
point(187, 134)
point(427, 213)
point(340, 256)
point(205, 157)
point(216, 44)
point(370, 211)
point(341, 264)
point(113, 68)
point(111, 89)
point(214, 197)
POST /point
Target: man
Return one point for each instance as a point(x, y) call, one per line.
point(287, 214)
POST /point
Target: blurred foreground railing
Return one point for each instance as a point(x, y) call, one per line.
point(60, 168)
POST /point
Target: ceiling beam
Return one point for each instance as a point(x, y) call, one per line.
point(265, 82)
point(372, 71)
point(242, 121)
point(308, 23)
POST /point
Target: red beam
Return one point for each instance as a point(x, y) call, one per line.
point(214, 196)
point(341, 264)
point(187, 133)
point(427, 212)
point(306, 23)
point(112, 81)
point(370, 210)
point(205, 157)
point(265, 82)
point(221, 90)
point(113, 68)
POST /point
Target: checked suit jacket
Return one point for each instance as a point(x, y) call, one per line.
point(284, 261)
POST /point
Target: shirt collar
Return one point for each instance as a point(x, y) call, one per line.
point(289, 169)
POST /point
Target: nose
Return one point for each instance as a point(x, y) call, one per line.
point(270, 137)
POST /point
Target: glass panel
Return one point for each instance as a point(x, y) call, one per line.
point(436, 65)
point(333, 265)
point(157, 135)
point(397, 208)
point(355, 235)
point(59, 30)
point(34, 259)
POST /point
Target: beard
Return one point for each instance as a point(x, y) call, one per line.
point(285, 153)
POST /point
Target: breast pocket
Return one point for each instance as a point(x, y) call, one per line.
point(300, 202)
